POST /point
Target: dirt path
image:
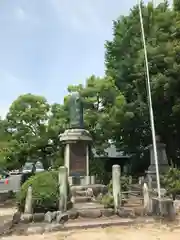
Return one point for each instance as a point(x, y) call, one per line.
point(114, 233)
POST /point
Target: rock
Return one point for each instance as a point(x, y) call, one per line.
point(48, 217)
point(125, 213)
point(73, 214)
point(89, 192)
point(54, 214)
point(35, 230)
point(16, 218)
point(53, 227)
point(90, 213)
point(62, 217)
point(26, 218)
point(107, 212)
point(38, 217)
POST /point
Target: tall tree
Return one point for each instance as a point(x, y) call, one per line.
point(27, 123)
point(125, 63)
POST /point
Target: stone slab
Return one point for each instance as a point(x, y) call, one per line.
point(78, 224)
point(106, 222)
point(89, 205)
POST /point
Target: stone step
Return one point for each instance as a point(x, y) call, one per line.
point(88, 205)
point(82, 199)
point(81, 193)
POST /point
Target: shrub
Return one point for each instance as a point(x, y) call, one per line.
point(124, 184)
point(45, 191)
point(171, 181)
point(108, 201)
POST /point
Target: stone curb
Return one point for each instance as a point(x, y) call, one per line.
point(106, 223)
point(103, 223)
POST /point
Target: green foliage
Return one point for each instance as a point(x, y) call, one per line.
point(171, 181)
point(115, 106)
point(108, 201)
point(124, 184)
point(45, 191)
point(125, 64)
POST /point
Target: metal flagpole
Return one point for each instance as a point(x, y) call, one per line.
point(150, 101)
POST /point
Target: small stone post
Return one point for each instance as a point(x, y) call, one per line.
point(116, 185)
point(63, 188)
point(147, 200)
point(28, 202)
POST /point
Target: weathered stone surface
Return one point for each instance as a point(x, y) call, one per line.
point(81, 199)
point(164, 207)
point(139, 211)
point(90, 213)
point(48, 217)
point(26, 218)
point(16, 217)
point(38, 217)
point(89, 192)
point(97, 189)
point(54, 214)
point(125, 213)
point(53, 227)
point(28, 202)
point(80, 193)
point(62, 217)
point(73, 214)
point(116, 186)
point(35, 230)
point(107, 212)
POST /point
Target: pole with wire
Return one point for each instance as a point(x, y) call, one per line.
point(150, 102)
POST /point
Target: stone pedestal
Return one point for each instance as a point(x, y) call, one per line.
point(76, 155)
point(163, 207)
point(162, 160)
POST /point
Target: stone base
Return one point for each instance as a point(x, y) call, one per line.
point(82, 180)
point(162, 168)
point(75, 135)
point(163, 207)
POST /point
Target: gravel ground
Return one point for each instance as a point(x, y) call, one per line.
point(150, 232)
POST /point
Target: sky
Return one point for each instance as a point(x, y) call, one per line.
point(46, 45)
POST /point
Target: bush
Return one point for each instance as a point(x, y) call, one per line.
point(108, 201)
point(124, 184)
point(171, 181)
point(45, 191)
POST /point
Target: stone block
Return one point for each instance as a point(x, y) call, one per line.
point(73, 214)
point(62, 217)
point(126, 213)
point(53, 227)
point(38, 217)
point(35, 230)
point(48, 217)
point(26, 218)
point(90, 213)
point(107, 212)
point(163, 207)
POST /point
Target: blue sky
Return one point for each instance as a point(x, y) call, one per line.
point(46, 45)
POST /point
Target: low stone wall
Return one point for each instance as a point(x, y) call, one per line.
point(73, 214)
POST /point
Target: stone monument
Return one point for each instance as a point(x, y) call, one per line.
point(162, 160)
point(77, 142)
